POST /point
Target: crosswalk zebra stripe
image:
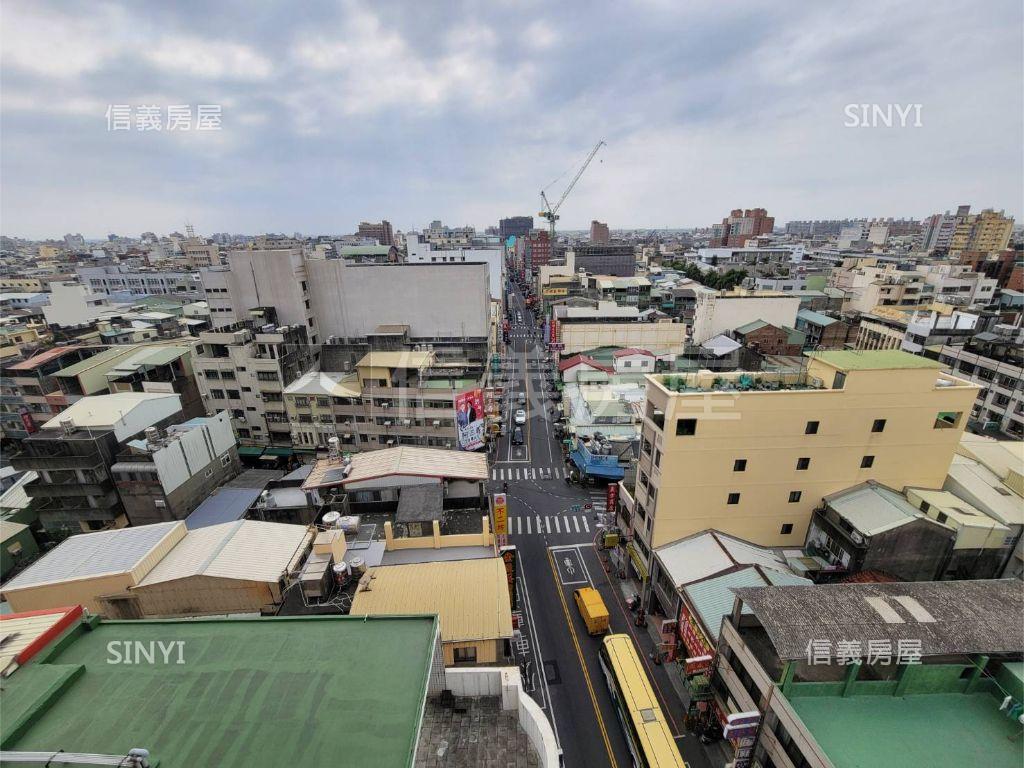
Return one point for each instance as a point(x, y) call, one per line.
point(576, 520)
point(494, 474)
point(586, 525)
point(558, 527)
point(538, 525)
point(566, 518)
point(529, 527)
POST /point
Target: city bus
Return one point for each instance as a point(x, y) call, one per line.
point(647, 734)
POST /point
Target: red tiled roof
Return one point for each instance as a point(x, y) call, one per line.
point(633, 351)
point(43, 357)
point(575, 360)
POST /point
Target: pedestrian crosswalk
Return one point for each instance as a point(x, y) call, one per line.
point(511, 474)
point(532, 525)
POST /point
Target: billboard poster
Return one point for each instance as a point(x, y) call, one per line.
point(469, 416)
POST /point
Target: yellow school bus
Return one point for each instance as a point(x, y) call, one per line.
point(647, 733)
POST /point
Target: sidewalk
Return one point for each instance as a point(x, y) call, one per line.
point(668, 678)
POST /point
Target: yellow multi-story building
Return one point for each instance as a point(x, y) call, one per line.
point(752, 454)
point(987, 232)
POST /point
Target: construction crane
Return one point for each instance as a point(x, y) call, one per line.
point(551, 212)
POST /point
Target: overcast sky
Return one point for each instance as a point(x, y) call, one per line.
point(337, 112)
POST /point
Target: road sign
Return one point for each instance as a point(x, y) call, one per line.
point(575, 508)
point(500, 514)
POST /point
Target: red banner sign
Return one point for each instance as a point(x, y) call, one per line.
point(692, 635)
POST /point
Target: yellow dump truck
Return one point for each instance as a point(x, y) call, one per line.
point(592, 609)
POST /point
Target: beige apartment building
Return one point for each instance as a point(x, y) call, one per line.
point(988, 232)
point(753, 454)
point(393, 397)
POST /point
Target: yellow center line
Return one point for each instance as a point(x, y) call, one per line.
point(583, 665)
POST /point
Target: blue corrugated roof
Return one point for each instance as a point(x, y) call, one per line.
point(713, 599)
point(810, 316)
point(224, 505)
point(590, 464)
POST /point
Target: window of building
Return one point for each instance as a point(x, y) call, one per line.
point(233, 394)
point(803, 463)
point(686, 427)
point(734, 498)
point(811, 428)
point(786, 528)
point(878, 426)
point(839, 381)
point(794, 496)
point(657, 457)
point(740, 465)
point(867, 462)
point(942, 517)
point(948, 419)
point(217, 394)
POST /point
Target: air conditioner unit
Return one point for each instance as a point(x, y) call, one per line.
point(437, 423)
point(385, 405)
point(407, 422)
point(387, 424)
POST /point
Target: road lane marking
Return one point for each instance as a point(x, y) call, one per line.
point(586, 525)
point(583, 666)
point(566, 519)
point(529, 529)
point(577, 521)
point(558, 527)
point(538, 525)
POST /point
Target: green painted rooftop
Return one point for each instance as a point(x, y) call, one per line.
point(335, 691)
point(878, 731)
point(874, 360)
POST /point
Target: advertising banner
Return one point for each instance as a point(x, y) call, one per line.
point(500, 514)
point(469, 416)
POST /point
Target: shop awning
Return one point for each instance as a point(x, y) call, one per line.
point(252, 451)
point(634, 557)
point(278, 451)
point(597, 466)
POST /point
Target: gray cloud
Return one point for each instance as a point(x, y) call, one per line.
point(338, 112)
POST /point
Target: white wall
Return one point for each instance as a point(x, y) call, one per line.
point(193, 449)
point(506, 683)
point(432, 299)
point(72, 304)
point(717, 314)
point(268, 278)
point(422, 252)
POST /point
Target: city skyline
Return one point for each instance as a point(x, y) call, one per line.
point(363, 112)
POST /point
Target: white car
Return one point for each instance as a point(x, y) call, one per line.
point(520, 416)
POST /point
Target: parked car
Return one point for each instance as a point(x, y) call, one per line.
point(520, 416)
point(517, 436)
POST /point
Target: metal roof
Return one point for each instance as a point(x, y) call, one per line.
point(470, 596)
point(872, 508)
point(709, 553)
point(224, 505)
point(249, 550)
point(713, 598)
point(325, 384)
point(406, 358)
point(43, 357)
point(815, 318)
point(100, 358)
point(402, 460)
point(95, 554)
point(946, 617)
point(26, 633)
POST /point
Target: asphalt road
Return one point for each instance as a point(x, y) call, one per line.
point(554, 533)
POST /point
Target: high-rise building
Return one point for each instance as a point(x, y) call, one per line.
point(382, 232)
point(741, 225)
point(616, 259)
point(538, 250)
point(599, 233)
point(243, 369)
point(752, 454)
point(986, 232)
point(516, 226)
